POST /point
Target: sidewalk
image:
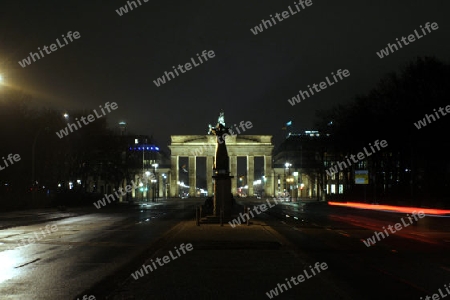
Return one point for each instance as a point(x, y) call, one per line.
point(227, 263)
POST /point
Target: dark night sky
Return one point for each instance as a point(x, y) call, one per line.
point(251, 77)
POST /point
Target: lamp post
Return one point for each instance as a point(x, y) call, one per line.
point(288, 166)
point(142, 190)
point(164, 186)
point(300, 173)
point(155, 180)
point(146, 185)
point(143, 159)
point(136, 142)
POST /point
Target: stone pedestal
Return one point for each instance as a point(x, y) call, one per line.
point(222, 195)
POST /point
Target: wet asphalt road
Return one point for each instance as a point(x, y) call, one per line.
point(411, 263)
point(91, 247)
point(86, 246)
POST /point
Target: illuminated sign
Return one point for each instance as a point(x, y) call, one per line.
point(361, 177)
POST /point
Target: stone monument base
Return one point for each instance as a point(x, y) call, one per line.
point(223, 199)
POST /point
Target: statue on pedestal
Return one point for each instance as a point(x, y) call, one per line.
point(221, 169)
point(220, 121)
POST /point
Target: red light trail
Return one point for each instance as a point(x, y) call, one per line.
point(391, 208)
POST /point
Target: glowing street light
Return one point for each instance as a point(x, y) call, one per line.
point(288, 179)
point(154, 180)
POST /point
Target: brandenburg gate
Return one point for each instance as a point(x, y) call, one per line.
point(193, 146)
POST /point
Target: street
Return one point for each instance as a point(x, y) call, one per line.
point(84, 250)
point(93, 251)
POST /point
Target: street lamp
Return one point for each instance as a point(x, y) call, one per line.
point(288, 166)
point(164, 186)
point(147, 173)
point(142, 190)
point(153, 189)
point(155, 167)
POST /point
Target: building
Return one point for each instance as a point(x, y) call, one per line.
point(297, 165)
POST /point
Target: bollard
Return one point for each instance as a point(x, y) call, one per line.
point(248, 219)
point(197, 216)
point(201, 211)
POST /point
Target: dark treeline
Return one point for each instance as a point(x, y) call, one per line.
point(415, 167)
point(91, 150)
